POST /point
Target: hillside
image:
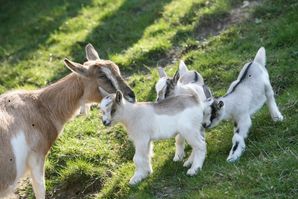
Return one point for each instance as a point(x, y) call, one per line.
point(214, 37)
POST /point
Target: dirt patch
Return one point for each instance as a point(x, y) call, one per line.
point(212, 26)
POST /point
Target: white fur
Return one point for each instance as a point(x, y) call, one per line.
point(184, 86)
point(135, 118)
point(20, 150)
point(27, 160)
point(248, 97)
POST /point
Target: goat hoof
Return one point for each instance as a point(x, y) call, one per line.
point(187, 164)
point(232, 159)
point(192, 172)
point(278, 118)
point(178, 158)
point(139, 177)
point(135, 180)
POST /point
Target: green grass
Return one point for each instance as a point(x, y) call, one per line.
point(91, 161)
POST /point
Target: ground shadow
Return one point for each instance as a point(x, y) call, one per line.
point(123, 28)
point(120, 30)
point(26, 25)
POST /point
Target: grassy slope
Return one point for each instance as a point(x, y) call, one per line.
point(90, 161)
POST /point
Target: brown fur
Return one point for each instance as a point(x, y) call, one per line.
point(41, 114)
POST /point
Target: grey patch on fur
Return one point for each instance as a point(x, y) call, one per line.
point(175, 104)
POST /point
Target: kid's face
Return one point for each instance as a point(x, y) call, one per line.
point(109, 106)
point(106, 106)
point(164, 88)
point(212, 113)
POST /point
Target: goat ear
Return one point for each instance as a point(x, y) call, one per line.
point(91, 53)
point(118, 96)
point(182, 68)
point(103, 92)
point(161, 72)
point(76, 67)
point(260, 57)
point(176, 77)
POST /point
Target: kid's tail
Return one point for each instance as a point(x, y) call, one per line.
point(260, 57)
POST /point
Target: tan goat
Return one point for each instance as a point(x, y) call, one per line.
point(30, 121)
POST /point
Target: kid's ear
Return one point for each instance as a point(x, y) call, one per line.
point(176, 77)
point(182, 68)
point(76, 67)
point(161, 72)
point(260, 57)
point(91, 53)
point(118, 96)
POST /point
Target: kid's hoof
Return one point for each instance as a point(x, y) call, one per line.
point(139, 177)
point(178, 158)
point(192, 172)
point(135, 180)
point(233, 159)
point(187, 163)
point(277, 118)
point(235, 155)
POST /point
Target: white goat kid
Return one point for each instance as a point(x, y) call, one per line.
point(183, 82)
point(181, 114)
point(245, 96)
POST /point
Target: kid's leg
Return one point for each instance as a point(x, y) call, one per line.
point(241, 130)
point(180, 144)
point(198, 144)
point(142, 160)
point(274, 111)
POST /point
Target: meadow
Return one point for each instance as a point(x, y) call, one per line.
point(214, 37)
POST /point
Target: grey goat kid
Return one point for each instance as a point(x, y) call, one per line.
point(245, 96)
point(181, 114)
point(183, 82)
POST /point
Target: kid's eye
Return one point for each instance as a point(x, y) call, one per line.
point(113, 111)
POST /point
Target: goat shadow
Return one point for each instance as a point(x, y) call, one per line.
point(33, 22)
point(120, 30)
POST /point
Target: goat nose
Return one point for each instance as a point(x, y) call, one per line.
point(106, 123)
point(204, 125)
point(132, 95)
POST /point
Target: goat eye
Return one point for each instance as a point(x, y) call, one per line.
point(113, 111)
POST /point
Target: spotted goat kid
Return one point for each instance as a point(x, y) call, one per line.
point(181, 114)
point(180, 84)
point(245, 96)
